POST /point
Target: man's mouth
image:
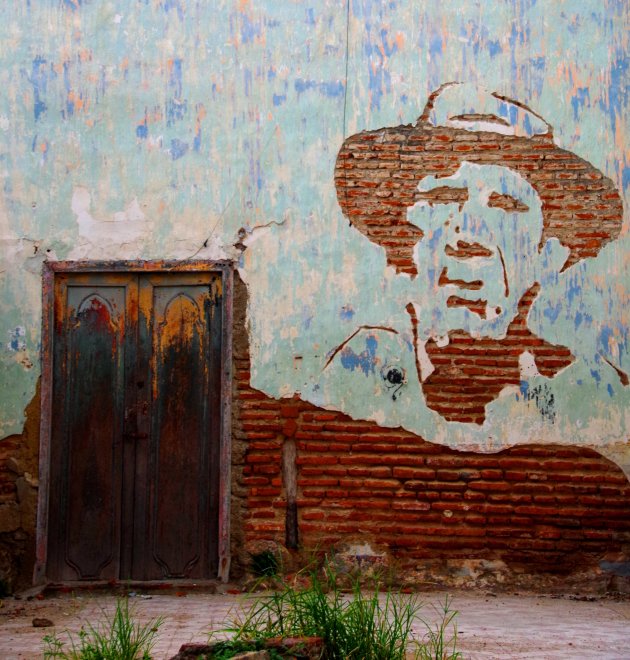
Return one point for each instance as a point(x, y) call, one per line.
point(477, 306)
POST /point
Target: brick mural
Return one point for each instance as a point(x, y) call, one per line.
point(461, 201)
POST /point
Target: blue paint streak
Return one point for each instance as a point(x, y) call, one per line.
point(174, 4)
point(574, 291)
point(494, 48)
point(249, 31)
point(279, 99)
point(365, 361)
point(611, 392)
point(618, 89)
point(16, 343)
point(524, 388)
point(247, 74)
point(39, 81)
point(331, 89)
point(435, 45)
point(302, 85)
point(346, 313)
point(552, 312)
point(596, 375)
point(178, 148)
point(73, 4)
point(142, 131)
point(578, 101)
point(538, 62)
point(175, 78)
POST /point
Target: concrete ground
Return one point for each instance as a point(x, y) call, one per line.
point(489, 626)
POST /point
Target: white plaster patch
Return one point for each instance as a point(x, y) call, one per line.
point(122, 236)
point(426, 366)
point(488, 126)
point(378, 416)
point(527, 365)
point(16, 339)
point(491, 312)
point(443, 341)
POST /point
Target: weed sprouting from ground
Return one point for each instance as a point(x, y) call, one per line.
point(363, 625)
point(117, 637)
point(438, 642)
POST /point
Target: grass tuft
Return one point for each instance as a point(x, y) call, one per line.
point(117, 637)
point(363, 625)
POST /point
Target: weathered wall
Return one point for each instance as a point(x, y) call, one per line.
point(18, 502)
point(536, 517)
point(159, 129)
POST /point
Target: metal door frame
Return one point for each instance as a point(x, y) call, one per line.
point(50, 269)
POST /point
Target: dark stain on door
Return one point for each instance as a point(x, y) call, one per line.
point(135, 432)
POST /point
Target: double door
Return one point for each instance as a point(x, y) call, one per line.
point(135, 426)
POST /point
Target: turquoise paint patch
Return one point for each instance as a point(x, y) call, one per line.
point(261, 161)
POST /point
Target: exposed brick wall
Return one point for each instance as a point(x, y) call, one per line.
point(18, 502)
point(559, 510)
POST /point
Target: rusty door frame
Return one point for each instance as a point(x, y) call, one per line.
point(50, 269)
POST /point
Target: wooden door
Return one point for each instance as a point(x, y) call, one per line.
point(135, 432)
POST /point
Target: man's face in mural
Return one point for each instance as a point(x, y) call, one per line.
point(480, 250)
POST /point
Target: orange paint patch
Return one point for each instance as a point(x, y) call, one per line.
point(77, 101)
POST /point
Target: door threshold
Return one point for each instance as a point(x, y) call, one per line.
point(178, 587)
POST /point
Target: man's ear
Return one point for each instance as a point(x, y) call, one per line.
point(553, 256)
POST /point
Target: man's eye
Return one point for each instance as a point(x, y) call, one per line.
point(443, 195)
point(507, 203)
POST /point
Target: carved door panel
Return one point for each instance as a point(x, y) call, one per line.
point(135, 426)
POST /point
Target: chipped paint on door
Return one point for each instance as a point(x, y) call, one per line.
point(136, 426)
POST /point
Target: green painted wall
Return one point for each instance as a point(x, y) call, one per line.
point(159, 128)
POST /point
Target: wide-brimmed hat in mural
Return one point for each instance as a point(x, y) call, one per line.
point(377, 172)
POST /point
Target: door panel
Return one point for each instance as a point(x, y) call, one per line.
point(89, 375)
point(136, 426)
point(178, 316)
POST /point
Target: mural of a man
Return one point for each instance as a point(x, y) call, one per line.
point(478, 208)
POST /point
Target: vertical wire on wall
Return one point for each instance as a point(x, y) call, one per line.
point(345, 97)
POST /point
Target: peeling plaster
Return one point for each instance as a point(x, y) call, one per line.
point(158, 131)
